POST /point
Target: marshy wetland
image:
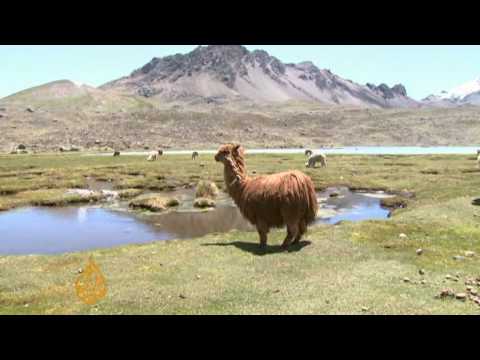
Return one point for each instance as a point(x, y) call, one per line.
point(212, 263)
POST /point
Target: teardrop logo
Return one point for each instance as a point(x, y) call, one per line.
point(90, 284)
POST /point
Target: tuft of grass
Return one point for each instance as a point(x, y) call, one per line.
point(206, 189)
point(154, 203)
point(129, 193)
point(395, 202)
point(204, 202)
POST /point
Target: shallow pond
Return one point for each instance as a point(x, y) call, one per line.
point(70, 229)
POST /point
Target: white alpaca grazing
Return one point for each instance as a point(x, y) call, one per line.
point(152, 156)
point(313, 159)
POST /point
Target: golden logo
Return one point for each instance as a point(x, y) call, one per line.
point(90, 284)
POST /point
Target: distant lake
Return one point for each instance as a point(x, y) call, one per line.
point(349, 150)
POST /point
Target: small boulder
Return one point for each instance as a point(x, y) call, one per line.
point(469, 253)
point(419, 251)
point(421, 272)
point(402, 236)
point(461, 296)
point(458, 257)
point(470, 281)
point(406, 279)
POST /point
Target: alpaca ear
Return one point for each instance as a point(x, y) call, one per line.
point(237, 148)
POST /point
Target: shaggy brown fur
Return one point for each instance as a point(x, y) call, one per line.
point(308, 152)
point(269, 201)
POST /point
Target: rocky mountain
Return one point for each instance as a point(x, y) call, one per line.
point(223, 73)
point(464, 94)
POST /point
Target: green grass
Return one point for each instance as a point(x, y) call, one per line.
point(337, 270)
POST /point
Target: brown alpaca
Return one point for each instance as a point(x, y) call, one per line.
point(269, 201)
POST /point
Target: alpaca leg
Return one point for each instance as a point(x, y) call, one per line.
point(263, 240)
point(262, 231)
point(292, 231)
point(302, 228)
point(288, 238)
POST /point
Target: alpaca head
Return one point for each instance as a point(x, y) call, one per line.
point(228, 152)
point(231, 155)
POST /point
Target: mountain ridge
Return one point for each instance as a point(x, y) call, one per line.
point(464, 94)
point(233, 72)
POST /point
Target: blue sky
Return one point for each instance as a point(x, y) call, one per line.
point(422, 69)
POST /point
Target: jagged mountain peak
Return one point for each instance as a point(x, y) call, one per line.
point(234, 72)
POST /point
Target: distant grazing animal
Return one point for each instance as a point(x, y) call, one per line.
point(478, 161)
point(160, 152)
point(312, 160)
point(269, 201)
point(308, 152)
point(194, 155)
point(116, 153)
point(153, 156)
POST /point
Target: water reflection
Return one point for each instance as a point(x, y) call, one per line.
point(69, 229)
